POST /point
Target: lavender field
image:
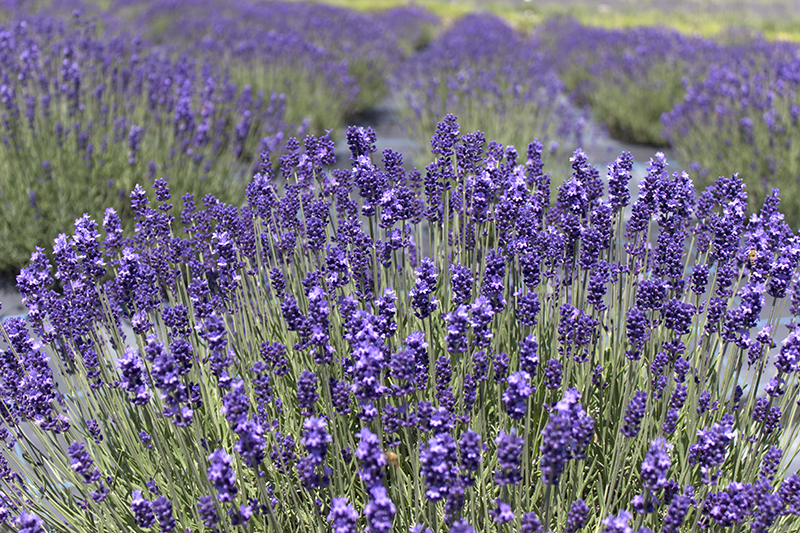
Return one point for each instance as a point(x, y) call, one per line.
point(297, 267)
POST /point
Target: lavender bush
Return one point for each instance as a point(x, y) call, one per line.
point(495, 80)
point(84, 118)
point(744, 115)
point(366, 46)
point(371, 349)
point(629, 77)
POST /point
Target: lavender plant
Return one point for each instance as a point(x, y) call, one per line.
point(360, 350)
point(338, 61)
point(87, 117)
point(629, 77)
point(744, 114)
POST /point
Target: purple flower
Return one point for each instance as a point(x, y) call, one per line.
point(307, 392)
point(316, 438)
point(710, 449)
point(482, 315)
point(618, 524)
point(637, 327)
point(770, 463)
point(651, 294)
point(207, 511)
point(457, 325)
point(142, 510)
point(528, 307)
point(385, 305)
point(162, 508)
point(240, 516)
point(470, 449)
point(133, 376)
point(565, 437)
point(361, 141)
point(343, 517)
point(340, 395)
point(28, 523)
point(379, 511)
point(461, 281)
point(531, 523)
point(516, 394)
point(528, 356)
point(439, 465)
point(146, 439)
point(235, 404)
point(789, 491)
point(619, 174)
point(502, 514)
point(552, 374)
point(634, 414)
point(480, 365)
point(424, 287)
point(678, 507)
point(509, 450)
point(415, 342)
point(371, 458)
point(788, 360)
point(81, 462)
point(655, 465)
point(500, 367)
point(577, 516)
point(700, 278)
point(678, 316)
point(222, 476)
point(704, 403)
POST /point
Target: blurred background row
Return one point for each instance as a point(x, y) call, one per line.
point(98, 96)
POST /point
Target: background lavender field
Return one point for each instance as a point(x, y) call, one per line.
point(294, 161)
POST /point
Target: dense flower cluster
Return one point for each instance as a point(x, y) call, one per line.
point(309, 361)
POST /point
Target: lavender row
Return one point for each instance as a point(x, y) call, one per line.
point(724, 105)
point(87, 112)
point(381, 350)
point(496, 80)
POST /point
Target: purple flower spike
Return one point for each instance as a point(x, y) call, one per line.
point(439, 465)
point(162, 508)
point(618, 524)
point(133, 376)
point(470, 451)
point(222, 476)
point(424, 287)
point(634, 414)
point(710, 449)
point(28, 523)
point(655, 465)
point(577, 516)
point(502, 514)
point(457, 325)
point(379, 511)
point(81, 462)
point(516, 394)
point(371, 458)
point(307, 392)
point(531, 523)
point(509, 450)
point(142, 510)
point(207, 511)
point(342, 517)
